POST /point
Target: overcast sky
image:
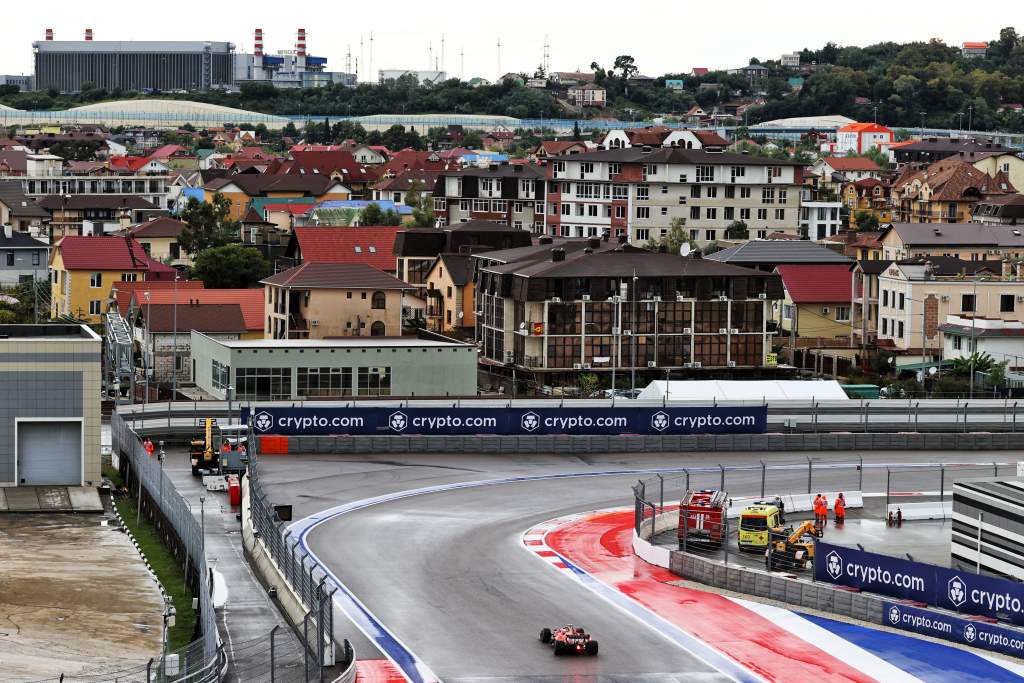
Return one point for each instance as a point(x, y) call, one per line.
point(661, 36)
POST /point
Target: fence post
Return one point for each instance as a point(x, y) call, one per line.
point(687, 473)
point(888, 487)
point(1013, 426)
point(661, 492)
point(860, 473)
point(810, 473)
point(917, 415)
point(867, 405)
point(272, 632)
point(764, 472)
point(981, 516)
point(965, 415)
point(305, 647)
point(320, 625)
point(722, 486)
point(942, 483)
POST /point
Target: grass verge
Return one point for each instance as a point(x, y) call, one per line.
point(166, 569)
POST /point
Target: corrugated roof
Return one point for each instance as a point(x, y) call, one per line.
point(371, 245)
point(778, 252)
point(78, 202)
point(313, 275)
point(851, 164)
point(806, 283)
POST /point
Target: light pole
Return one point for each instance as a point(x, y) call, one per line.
point(970, 118)
point(960, 126)
point(922, 123)
point(202, 524)
point(145, 359)
point(974, 343)
point(174, 341)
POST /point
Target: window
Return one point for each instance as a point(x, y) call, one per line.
point(481, 205)
point(787, 312)
point(96, 280)
point(709, 235)
point(620, 191)
point(566, 209)
point(695, 212)
point(900, 328)
point(362, 295)
point(730, 213)
point(780, 214)
point(592, 210)
point(129, 277)
point(586, 167)
point(767, 195)
point(526, 187)
point(903, 301)
point(744, 193)
point(967, 303)
point(643, 192)
point(643, 212)
point(10, 258)
point(664, 211)
point(664, 189)
point(705, 173)
point(35, 258)
point(713, 192)
point(377, 329)
point(682, 199)
point(843, 314)
point(694, 191)
point(94, 307)
point(695, 235)
point(1006, 303)
point(744, 214)
point(711, 213)
point(620, 212)
point(774, 172)
point(885, 326)
point(265, 384)
point(324, 382)
point(730, 192)
point(885, 297)
point(649, 170)
point(220, 375)
point(762, 234)
point(682, 177)
point(374, 381)
point(378, 300)
point(762, 214)
point(614, 169)
point(958, 343)
point(643, 234)
point(517, 207)
point(783, 194)
point(737, 172)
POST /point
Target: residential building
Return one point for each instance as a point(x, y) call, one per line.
point(944, 192)
point(974, 50)
point(817, 302)
point(51, 407)
point(242, 189)
point(397, 188)
point(567, 78)
point(75, 215)
point(930, 150)
point(162, 332)
point(869, 196)
point(996, 163)
point(969, 241)
point(588, 95)
point(191, 293)
point(863, 245)
point(85, 269)
point(13, 163)
point(556, 148)
point(864, 290)
point(606, 307)
point(638, 191)
point(790, 60)
point(324, 300)
point(19, 211)
point(661, 136)
point(1002, 339)
point(373, 246)
point(767, 255)
point(22, 258)
point(509, 194)
point(301, 369)
point(848, 169)
point(450, 295)
point(820, 220)
point(857, 138)
point(418, 248)
point(756, 74)
point(1006, 209)
point(159, 238)
point(124, 298)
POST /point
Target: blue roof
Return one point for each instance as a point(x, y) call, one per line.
point(384, 204)
point(489, 156)
point(316, 60)
point(194, 192)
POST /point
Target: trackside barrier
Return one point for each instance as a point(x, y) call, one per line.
point(800, 502)
point(1007, 641)
point(912, 511)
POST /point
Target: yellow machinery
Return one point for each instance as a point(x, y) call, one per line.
point(203, 449)
point(791, 549)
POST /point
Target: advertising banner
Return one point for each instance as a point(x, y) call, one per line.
point(933, 585)
point(948, 627)
point(328, 420)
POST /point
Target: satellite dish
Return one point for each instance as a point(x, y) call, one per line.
point(684, 249)
point(522, 325)
point(932, 370)
point(461, 314)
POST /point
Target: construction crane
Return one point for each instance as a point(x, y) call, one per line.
point(792, 549)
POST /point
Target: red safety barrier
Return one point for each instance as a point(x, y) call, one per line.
point(234, 490)
point(273, 445)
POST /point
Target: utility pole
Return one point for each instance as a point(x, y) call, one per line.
point(174, 341)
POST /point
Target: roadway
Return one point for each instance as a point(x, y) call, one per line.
point(447, 574)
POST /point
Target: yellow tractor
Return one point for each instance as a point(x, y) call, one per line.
point(792, 550)
point(204, 451)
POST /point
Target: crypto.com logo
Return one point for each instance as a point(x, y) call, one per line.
point(957, 591)
point(894, 615)
point(970, 633)
point(263, 421)
point(530, 421)
point(398, 421)
point(834, 565)
point(659, 421)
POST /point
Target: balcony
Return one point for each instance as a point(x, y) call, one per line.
point(533, 361)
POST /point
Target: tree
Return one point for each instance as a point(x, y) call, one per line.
point(231, 266)
point(371, 215)
point(422, 205)
point(982, 362)
point(472, 140)
point(209, 224)
point(737, 230)
point(626, 65)
point(674, 238)
point(866, 221)
point(589, 383)
point(577, 134)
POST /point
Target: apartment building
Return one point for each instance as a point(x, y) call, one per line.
point(868, 195)
point(945, 192)
point(1007, 209)
point(418, 248)
point(916, 298)
point(971, 242)
point(508, 194)
point(595, 305)
point(638, 191)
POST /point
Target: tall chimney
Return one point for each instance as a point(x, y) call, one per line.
point(88, 34)
point(49, 34)
point(300, 43)
point(258, 47)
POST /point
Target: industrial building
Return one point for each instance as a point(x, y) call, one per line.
point(65, 65)
point(50, 408)
point(299, 369)
point(288, 68)
point(988, 526)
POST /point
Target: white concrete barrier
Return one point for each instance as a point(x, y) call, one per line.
point(659, 556)
point(911, 511)
point(800, 502)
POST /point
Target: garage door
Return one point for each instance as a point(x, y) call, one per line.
point(50, 453)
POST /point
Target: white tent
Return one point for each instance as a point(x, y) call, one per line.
point(730, 390)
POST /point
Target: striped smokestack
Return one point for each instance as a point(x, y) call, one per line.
point(88, 34)
point(258, 47)
point(49, 34)
point(300, 43)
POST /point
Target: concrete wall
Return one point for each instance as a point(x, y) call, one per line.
point(50, 377)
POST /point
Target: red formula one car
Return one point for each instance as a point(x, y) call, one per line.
point(569, 640)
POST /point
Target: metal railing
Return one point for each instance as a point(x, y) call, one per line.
point(171, 515)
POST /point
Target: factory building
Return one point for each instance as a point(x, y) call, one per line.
point(65, 65)
point(288, 68)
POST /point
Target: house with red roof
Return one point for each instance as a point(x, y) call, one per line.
point(554, 148)
point(138, 165)
point(373, 245)
point(845, 169)
point(857, 138)
point(249, 301)
point(86, 269)
point(397, 188)
point(125, 298)
point(412, 160)
point(818, 299)
point(339, 165)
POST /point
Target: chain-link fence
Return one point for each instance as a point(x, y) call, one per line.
point(171, 516)
point(310, 583)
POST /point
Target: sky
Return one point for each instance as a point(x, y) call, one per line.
point(662, 37)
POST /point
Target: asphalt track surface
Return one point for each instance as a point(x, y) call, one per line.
point(446, 573)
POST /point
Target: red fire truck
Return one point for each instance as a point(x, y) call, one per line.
point(702, 517)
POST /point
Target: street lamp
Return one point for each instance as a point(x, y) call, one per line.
point(145, 359)
point(970, 118)
point(922, 123)
point(974, 342)
point(174, 342)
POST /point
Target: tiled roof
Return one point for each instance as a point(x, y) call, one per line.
point(864, 128)
point(201, 317)
point(126, 290)
point(250, 300)
point(12, 196)
point(78, 202)
point(367, 245)
point(327, 163)
point(950, 180)
point(106, 253)
point(162, 226)
point(312, 275)
point(778, 251)
point(710, 138)
point(556, 147)
point(256, 185)
point(404, 181)
point(21, 240)
point(851, 164)
point(806, 283)
point(413, 160)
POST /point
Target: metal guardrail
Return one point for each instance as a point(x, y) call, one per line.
point(160, 501)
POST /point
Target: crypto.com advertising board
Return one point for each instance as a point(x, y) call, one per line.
point(325, 421)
